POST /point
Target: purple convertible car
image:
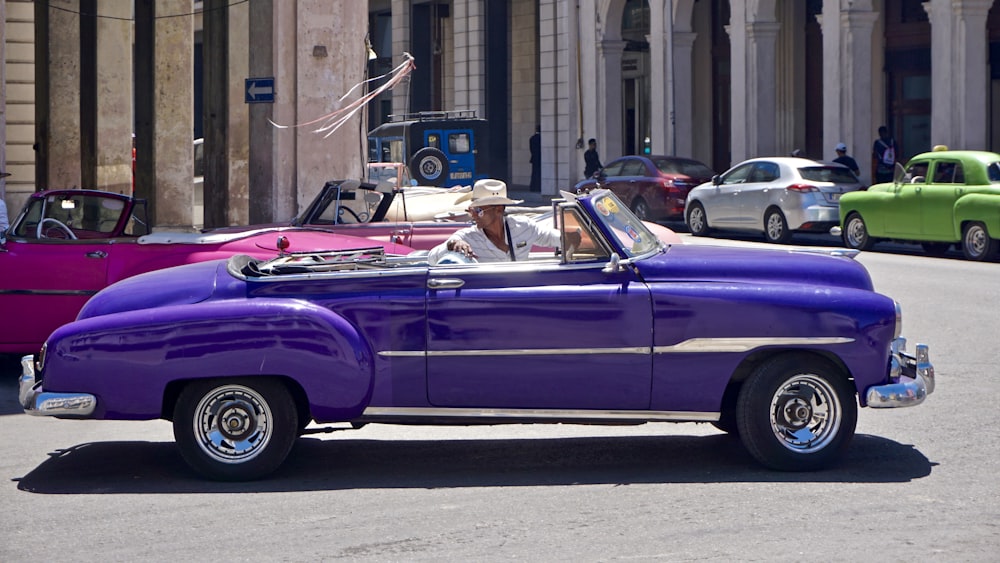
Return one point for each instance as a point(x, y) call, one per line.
point(779, 347)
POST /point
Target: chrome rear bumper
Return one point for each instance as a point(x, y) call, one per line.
point(911, 379)
point(37, 402)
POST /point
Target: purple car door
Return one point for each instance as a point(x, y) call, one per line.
point(538, 336)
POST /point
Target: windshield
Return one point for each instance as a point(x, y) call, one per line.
point(631, 235)
point(82, 213)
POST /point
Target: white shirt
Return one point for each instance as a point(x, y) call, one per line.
point(524, 234)
point(3, 215)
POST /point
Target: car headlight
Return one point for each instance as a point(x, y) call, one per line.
point(899, 321)
point(40, 362)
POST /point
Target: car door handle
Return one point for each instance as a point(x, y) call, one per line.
point(445, 283)
point(97, 254)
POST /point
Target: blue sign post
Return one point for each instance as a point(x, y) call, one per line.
point(258, 90)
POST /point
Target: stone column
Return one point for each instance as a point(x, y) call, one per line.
point(114, 98)
point(271, 179)
point(660, 78)
point(684, 93)
point(61, 125)
point(760, 109)
point(173, 117)
point(400, 44)
point(562, 162)
point(857, 30)
point(215, 116)
point(970, 46)
point(470, 55)
point(330, 59)
point(238, 129)
point(610, 134)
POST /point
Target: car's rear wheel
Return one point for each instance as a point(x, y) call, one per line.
point(856, 233)
point(429, 166)
point(235, 430)
point(641, 209)
point(796, 412)
point(977, 244)
point(697, 222)
point(936, 248)
point(776, 227)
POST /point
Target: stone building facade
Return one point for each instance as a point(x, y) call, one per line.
point(716, 80)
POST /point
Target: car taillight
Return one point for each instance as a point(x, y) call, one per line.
point(801, 188)
point(668, 185)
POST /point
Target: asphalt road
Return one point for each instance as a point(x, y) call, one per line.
point(917, 484)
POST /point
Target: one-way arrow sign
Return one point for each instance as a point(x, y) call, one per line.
point(259, 90)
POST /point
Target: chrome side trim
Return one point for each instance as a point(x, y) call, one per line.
point(36, 402)
point(552, 414)
point(701, 345)
point(512, 352)
point(693, 345)
point(48, 292)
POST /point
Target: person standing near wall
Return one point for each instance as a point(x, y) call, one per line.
point(535, 145)
point(883, 157)
point(591, 160)
point(843, 158)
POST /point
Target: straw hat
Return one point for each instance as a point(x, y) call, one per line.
point(491, 192)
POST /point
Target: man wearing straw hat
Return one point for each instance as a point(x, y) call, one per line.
point(495, 237)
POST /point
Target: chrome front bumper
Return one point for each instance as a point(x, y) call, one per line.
point(911, 379)
point(37, 402)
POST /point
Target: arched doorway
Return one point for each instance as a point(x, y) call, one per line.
point(635, 78)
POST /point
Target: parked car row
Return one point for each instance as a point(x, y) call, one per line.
point(939, 199)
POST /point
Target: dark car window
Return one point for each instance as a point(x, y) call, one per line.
point(738, 175)
point(764, 172)
point(835, 174)
point(993, 172)
point(917, 172)
point(459, 143)
point(948, 173)
point(614, 169)
point(633, 167)
point(690, 168)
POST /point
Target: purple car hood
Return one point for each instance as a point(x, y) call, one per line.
point(190, 283)
point(756, 266)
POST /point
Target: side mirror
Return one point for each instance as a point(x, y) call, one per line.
point(614, 265)
point(716, 180)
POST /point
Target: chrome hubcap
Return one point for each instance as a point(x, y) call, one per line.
point(805, 413)
point(232, 423)
point(975, 241)
point(856, 233)
point(696, 220)
point(774, 226)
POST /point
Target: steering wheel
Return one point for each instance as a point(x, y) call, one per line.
point(351, 211)
point(56, 223)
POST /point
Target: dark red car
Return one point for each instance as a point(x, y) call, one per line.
point(654, 186)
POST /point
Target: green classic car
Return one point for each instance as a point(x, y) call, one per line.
point(941, 198)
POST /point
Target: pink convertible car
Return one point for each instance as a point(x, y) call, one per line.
point(66, 245)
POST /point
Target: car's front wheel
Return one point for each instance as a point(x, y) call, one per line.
point(235, 430)
point(697, 222)
point(776, 227)
point(977, 244)
point(796, 412)
point(856, 233)
point(641, 209)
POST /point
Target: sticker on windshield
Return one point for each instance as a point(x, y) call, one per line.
point(632, 233)
point(601, 208)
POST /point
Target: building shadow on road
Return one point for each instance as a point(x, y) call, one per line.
point(156, 467)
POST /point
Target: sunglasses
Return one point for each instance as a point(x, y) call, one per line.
point(478, 211)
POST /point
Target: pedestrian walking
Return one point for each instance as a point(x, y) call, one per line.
point(845, 159)
point(591, 160)
point(535, 145)
point(883, 156)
